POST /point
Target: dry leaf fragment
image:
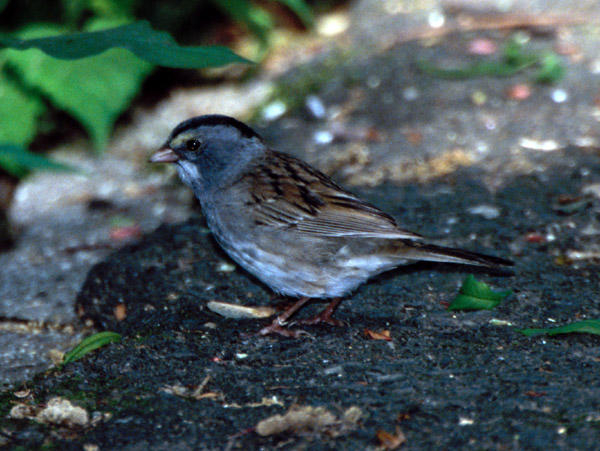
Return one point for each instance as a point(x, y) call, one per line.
point(297, 419)
point(237, 311)
point(120, 312)
point(308, 419)
point(391, 441)
point(535, 394)
point(21, 411)
point(22, 393)
point(380, 335)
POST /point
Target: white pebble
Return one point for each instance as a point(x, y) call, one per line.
point(559, 95)
point(410, 93)
point(436, 19)
point(323, 137)
point(487, 211)
point(274, 110)
point(315, 106)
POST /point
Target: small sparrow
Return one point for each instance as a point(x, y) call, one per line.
point(289, 224)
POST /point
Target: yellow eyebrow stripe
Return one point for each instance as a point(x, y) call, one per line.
point(181, 138)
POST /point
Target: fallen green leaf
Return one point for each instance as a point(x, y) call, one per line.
point(155, 47)
point(551, 69)
point(19, 161)
point(588, 326)
point(475, 295)
point(89, 344)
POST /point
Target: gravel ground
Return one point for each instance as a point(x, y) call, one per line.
point(463, 162)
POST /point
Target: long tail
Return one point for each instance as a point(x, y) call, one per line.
point(430, 252)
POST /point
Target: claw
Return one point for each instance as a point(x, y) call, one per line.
point(276, 328)
point(325, 316)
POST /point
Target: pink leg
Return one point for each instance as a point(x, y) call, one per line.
point(325, 315)
point(277, 326)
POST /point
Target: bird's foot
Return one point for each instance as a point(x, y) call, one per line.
point(326, 316)
point(321, 318)
point(276, 327)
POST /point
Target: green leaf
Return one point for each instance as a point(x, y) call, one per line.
point(588, 326)
point(475, 295)
point(258, 21)
point(95, 90)
point(89, 344)
point(19, 111)
point(155, 47)
point(19, 161)
point(551, 69)
point(301, 9)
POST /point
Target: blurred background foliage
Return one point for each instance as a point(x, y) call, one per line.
point(38, 91)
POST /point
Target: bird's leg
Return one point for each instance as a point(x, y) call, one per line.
point(277, 326)
point(325, 315)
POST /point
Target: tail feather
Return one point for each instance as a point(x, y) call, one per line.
point(432, 252)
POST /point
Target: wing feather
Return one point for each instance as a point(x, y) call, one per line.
point(288, 193)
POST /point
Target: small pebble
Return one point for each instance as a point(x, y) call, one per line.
point(482, 46)
point(547, 145)
point(332, 24)
point(436, 19)
point(462, 421)
point(478, 98)
point(315, 106)
point(559, 95)
point(490, 124)
point(519, 92)
point(487, 211)
point(595, 66)
point(373, 81)
point(410, 93)
point(586, 141)
point(274, 110)
point(323, 137)
point(225, 267)
point(125, 233)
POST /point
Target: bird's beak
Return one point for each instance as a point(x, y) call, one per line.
point(164, 155)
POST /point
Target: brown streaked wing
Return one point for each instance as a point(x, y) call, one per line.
point(288, 193)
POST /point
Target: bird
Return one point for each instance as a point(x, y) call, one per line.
point(289, 224)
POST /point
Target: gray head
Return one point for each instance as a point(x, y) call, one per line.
point(210, 150)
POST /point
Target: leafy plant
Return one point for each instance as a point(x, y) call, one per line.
point(94, 74)
point(475, 295)
point(99, 73)
point(95, 90)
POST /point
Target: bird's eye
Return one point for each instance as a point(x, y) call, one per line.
point(192, 144)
